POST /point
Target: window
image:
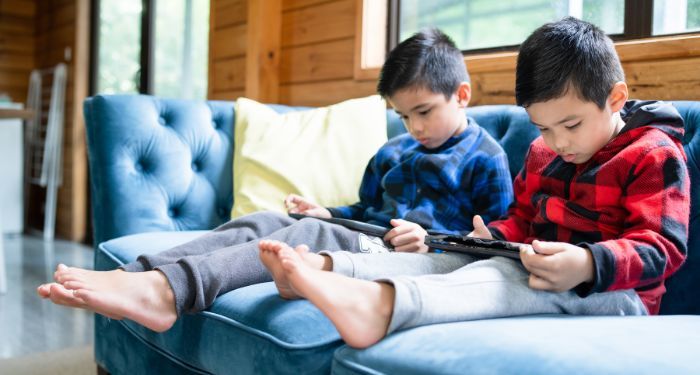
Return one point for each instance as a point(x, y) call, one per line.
point(488, 24)
point(120, 48)
point(150, 47)
point(676, 16)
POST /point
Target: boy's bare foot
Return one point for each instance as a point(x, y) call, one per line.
point(268, 256)
point(144, 297)
point(359, 309)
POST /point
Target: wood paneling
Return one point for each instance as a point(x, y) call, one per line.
point(324, 93)
point(296, 4)
point(227, 95)
point(17, 47)
point(318, 62)
point(62, 35)
point(228, 75)
point(228, 12)
point(21, 8)
point(263, 50)
point(327, 21)
point(229, 42)
point(659, 68)
point(666, 80)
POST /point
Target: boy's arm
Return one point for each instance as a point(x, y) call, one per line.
point(654, 244)
point(370, 195)
point(492, 190)
point(515, 225)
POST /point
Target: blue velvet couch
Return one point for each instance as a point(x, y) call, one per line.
point(160, 175)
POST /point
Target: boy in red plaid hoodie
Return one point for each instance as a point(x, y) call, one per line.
point(602, 200)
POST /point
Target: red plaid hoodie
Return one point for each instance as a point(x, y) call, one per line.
point(629, 204)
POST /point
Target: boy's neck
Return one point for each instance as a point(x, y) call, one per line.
point(462, 125)
point(619, 124)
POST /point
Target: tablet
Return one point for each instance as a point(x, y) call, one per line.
point(480, 247)
point(359, 226)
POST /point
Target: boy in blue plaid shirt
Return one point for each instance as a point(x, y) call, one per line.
point(444, 171)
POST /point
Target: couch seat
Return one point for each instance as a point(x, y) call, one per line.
point(542, 344)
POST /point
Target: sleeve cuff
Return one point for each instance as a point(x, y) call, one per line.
point(335, 212)
point(603, 270)
point(496, 234)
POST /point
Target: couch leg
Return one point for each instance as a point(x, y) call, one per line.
point(101, 371)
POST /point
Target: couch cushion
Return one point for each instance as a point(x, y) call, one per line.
point(683, 291)
point(546, 344)
point(319, 153)
point(249, 330)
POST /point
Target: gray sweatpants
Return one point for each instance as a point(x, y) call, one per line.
point(446, 287)
point(227, 257)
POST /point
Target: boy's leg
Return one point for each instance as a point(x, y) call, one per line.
point(493, 288)
point(359, 309)
point(384, 265)
point(238, 231)
point(195, 281)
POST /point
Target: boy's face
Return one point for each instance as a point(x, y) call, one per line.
point(577, 129)
point(428, 116)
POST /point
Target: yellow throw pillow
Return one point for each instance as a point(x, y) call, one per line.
point(320, 154)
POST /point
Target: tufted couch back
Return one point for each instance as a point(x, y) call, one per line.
point(165, 165)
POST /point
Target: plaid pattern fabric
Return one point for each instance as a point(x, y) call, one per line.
point(629, 205)
point(440, 189)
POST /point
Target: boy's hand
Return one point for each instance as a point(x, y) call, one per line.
point(296, 204)
point(557, 266)
point(407, 236)
point(480, 230)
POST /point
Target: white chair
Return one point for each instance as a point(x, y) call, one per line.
point(45, 140)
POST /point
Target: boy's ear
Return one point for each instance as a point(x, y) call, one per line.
point(464, 94)
point(618, 96)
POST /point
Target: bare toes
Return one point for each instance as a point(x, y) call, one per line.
point(73, 284)
point(61, 296)
point(44, 290)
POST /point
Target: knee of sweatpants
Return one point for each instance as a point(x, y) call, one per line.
point(309, 223)
point(256, 218)
point(265, 216)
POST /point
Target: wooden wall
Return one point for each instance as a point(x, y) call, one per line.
point(40, 34)
point(227, 48)
point(17, 47)
point(61, 35)
point(666, 68)
point(316, 47)
point(317, 51)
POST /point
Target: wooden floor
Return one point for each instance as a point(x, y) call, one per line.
point(29, 324)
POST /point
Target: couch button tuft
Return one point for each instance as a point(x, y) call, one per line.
point(172, 212)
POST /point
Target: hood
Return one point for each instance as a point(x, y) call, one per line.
point(657, 114)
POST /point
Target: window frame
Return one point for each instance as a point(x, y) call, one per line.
point(146, 52)
point(146, 82)
point(638, 24)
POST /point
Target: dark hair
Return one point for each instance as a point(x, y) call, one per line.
point(427, 59)
point(564, 55)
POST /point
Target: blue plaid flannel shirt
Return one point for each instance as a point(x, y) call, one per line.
point(440, 189)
